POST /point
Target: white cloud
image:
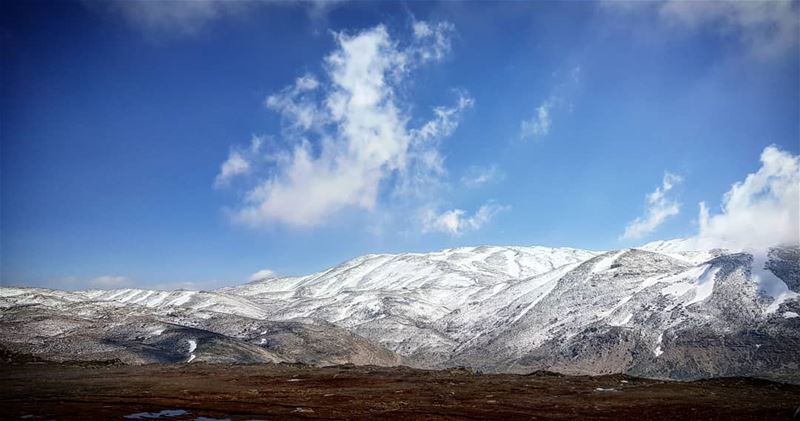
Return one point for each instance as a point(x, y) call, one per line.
point(445, 121)
point(659, 209)
point(178, 16)
point(456, 222)
point(540, 123)
point(262, 274)
point(233, 166)
point(109, 282)
point(433, 40)
point(422, 30)
point(764, 28)
point(297, 105)
point(188, 17)
point(759, 212)
point(238, 162)
point(425, 165)
point(477, 176)
point(349, 132)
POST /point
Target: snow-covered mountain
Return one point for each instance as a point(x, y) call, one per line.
point(397, 299)
point(657, 311)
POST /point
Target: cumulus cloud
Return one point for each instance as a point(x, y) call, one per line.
point(759, 212)
point(109, 282)
point(659, 208)
point(764, 28)
point(477, 176)
point(348, 132)
point(262, 274)
point(540, 123)
point(456, 222)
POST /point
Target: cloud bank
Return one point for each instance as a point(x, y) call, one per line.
point(759, 212)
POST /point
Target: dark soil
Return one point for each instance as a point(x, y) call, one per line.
point(36, 390)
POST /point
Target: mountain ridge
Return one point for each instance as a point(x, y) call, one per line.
point(654, 310)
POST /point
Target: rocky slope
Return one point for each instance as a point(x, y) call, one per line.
point(174, 327)
point(656, 311)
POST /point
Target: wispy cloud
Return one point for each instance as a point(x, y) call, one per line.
point(765, 29)
point(189, 17)
point(238, 162)
point(659, 208)
point(456, 222)
point(348, 132)
point(761, 211)
point(425, 165)
point(109, 282)
point(478, 176)
point(540, 123)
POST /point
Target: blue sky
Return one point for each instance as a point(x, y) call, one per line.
point(179, 144)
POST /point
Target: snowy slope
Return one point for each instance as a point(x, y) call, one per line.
point(396, 299)
point(658, 310)
point(195, 301)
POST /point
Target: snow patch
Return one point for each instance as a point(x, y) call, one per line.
point(192, 347)
point(705, 286)
point(623, 322)
point(605, 263)
point(658, 351)
point(769, 284)
point(790, 315)
point(621, 303)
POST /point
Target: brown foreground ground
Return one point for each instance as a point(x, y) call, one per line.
point(53, 391)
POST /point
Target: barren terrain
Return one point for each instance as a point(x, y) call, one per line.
point(36, 390)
